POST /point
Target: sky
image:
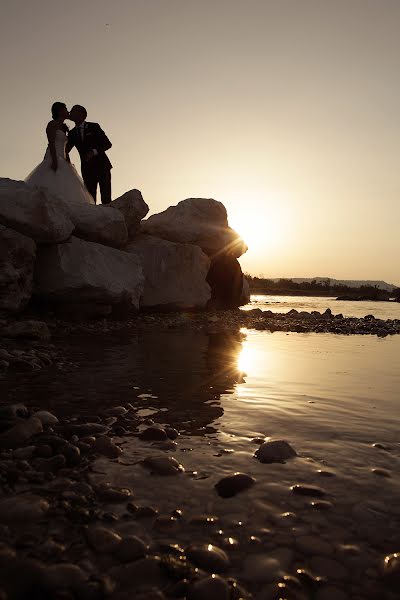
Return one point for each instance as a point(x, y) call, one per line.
point(287, 111)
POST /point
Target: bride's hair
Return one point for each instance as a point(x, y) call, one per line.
point(56, 108)
point(55, 111)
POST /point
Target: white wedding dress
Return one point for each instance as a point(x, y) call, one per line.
point(65, 182)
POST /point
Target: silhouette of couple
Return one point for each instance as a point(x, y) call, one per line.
point(56, 173)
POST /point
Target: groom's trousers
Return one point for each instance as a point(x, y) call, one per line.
point(103, 180)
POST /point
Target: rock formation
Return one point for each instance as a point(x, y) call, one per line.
point(93, 260)
point(175, 274)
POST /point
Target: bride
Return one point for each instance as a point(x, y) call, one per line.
point(55, 172)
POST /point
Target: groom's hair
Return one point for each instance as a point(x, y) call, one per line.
point(81, 109)
point(55, 109)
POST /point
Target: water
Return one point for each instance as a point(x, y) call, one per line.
point(282, 304)
point(331, 397)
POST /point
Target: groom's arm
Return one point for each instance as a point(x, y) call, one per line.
point(102, 143)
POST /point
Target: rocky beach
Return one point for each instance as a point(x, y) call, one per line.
point(134, 462)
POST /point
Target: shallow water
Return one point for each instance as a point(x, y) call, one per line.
point(282, 304)
point(332, 397)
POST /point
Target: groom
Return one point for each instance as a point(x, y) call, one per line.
point(91, 143)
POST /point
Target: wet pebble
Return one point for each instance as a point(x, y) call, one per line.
point(133, 575)
point(381, 472)
point(116, 411)
point(22, 509)
point(233, 484)
point(310, 544)
point(50, 465)
point(163, 465)
point(391, 567)
point(131, 548)
point(172, 433)
point(153, 433)
point(261, 568)
point(106, 447)
point(328, 567)
point(72, 454)
point(321, 504)
point(275, 451)
point(65, 576)
point(113, 494)
point(330, 592)
point(307, 490)
point(213, 587)
point(46, 418)
point(208, 557)
point(102, 540)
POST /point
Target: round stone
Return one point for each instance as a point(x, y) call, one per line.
point(330, 592)
point(275, 451)
point(233, 484)
point(307, 490)
point(310, 544)
point(163, 465)
point(209, 588)
point(131, 548)
point(261, 568)
point(391, 567)
point(208, 557)
point(22, 509)
point(328, 567)
point(102, 540)
point(153, 433)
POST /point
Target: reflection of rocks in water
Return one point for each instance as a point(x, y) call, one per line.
point(186, 371)
point(222, 360)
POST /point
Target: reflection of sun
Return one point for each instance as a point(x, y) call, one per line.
point(247, 358)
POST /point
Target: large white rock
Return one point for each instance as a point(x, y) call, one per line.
point(96, 223)
point(17, 259)
point(175, 274)
point(199, 221)
point(34, 212)
point(134, 209)
point(85, 272)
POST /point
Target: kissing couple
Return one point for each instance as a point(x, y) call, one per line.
point(57, 174)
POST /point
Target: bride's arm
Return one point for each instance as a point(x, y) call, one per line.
point(51, 136)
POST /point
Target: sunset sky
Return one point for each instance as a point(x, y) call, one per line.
point(285, 110)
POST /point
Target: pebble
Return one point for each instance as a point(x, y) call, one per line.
point(72, 454)
point(213, 587)
point(310, 544)
point(49, 465)
point(163, 465)
point(102, 539)
point(307, 490)
point(233, 484)
point(172, 433)
point(153, 433)
point(46, 418)
point(391, 567)
point(381, 472)
point(22, 509)
point(330, 592)
point(145, 571)
point(65, 576)
point(131, 548)
point(208, 557)
point(20, 433)
point(106, 447)
point(261, 568)
point(275, 451)
point(328, 567)
point(113, 494)
point(116, 411)
point(321, 504)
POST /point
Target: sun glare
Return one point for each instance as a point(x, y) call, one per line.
point(263, 224)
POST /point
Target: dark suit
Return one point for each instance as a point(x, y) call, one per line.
point(97, 170)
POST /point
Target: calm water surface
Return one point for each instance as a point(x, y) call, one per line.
point(332, 397)
point(380, 310)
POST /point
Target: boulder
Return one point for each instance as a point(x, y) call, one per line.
point(199, 221)
point(85, 272)
point(34, 212)
point(227, 283)
point(133, 208)
point(17, 259)
point(175, 274)
point(96, 223)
